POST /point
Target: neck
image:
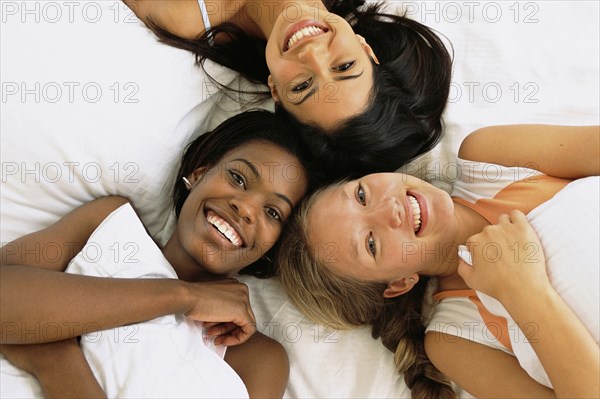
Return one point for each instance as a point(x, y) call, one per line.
point(185, 266)
point(467, 223)
point(271, 10)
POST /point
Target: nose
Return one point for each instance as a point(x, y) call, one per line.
point(246, 208)
point(387, 212)
point(313, 54)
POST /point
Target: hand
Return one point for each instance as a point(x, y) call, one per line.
point(225, 306)
point(508, 259)
point(39, 358)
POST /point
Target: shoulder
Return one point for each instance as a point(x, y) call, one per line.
point(258, 360)
point(181, 18)
point(91, 214)
point(474, 146)
point(66, 237)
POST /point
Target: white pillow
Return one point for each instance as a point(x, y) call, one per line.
point(143, 140)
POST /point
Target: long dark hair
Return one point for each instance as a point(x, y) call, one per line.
point(209, 148)
point(410, 89)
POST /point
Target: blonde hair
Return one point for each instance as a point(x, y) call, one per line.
point(340, 302)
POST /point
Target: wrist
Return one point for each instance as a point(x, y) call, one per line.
point(528, 300)
point(51, 364)
point(185, 297)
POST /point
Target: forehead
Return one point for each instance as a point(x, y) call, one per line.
point(274, 165)
point(330, 229)
point(266, 157)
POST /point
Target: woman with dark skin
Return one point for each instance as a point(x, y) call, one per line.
point(232, 197)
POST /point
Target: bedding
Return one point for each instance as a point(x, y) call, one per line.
point(92, 105)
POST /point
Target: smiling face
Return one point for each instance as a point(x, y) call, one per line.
point(321, 71)
point(384, 227)
point(236, 209)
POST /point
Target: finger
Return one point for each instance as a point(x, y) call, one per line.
point(465, 270)
point(221, 329)
point(236, 337)
point(247, 330)
point(518, 217)
point(474, 241)
point(251, 314)
point(503, 219)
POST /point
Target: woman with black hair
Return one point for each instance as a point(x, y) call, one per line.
point(368, 88)
point(236, 187)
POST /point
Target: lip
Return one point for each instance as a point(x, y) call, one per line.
point(299, 25)
point(424, 211)
point(225, 216)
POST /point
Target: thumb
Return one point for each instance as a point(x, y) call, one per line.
point(465, 271)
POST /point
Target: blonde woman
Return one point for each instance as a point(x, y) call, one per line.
point(368, 252)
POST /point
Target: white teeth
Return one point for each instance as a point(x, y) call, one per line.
point(306, 31)
point(225, 229)
point(416, 212)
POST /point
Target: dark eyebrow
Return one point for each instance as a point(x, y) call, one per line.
point(337, 79)
point(348, 77)
point(257, 176)
point(310, 93)
point(250, 165)
point(286, 199)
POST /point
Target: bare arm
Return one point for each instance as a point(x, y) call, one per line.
point(60, 368)
point(489, 373)
point(262, 364)
point(482, 371)
point(180, 17)
point(39, 303)
point(561, 151)
point(568, 352)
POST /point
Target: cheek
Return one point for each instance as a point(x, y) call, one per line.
point(267, 237)
point(283, 71)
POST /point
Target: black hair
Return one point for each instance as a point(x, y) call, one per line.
point(411, 86)
point(410, 90)
point(209, 148)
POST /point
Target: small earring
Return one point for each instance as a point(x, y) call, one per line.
point(412, 280)
point(187, 183)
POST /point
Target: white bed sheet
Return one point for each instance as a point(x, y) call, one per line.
point(64, 143)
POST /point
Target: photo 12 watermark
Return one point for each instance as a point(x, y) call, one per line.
point(69, 172)
point(70, 92)
point(57, 12)
point(454, 12)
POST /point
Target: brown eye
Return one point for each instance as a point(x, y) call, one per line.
point(274, 214)
point(237, 179)
point(345, 66)
point(302, 86)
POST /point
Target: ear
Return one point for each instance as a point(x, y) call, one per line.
point(273, 88)
point(401, 286)
point(196, 175)
point(367, 48)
